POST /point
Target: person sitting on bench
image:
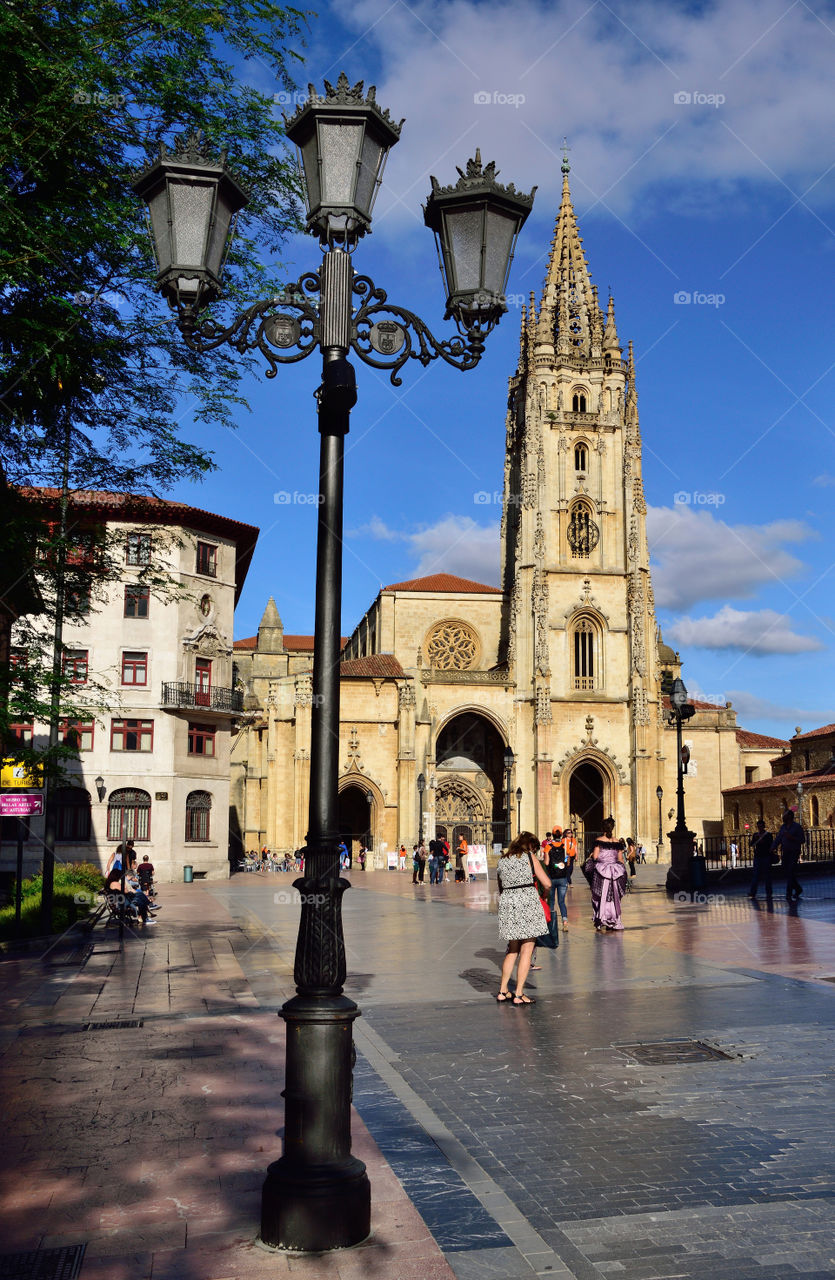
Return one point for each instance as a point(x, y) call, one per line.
point(138, 899)
point(145, 875)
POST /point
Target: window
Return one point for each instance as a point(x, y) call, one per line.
point(751, 773)
point(207, 559)
point(198, 811)
point(583, 533)
point(132, 735)
point(136, 602)
point(73, 814)
point(581, 458)
point(134, 668)
point(77, 601)
point(129, 815)
point(82, 547)
point(201, 740)
point(22, 730)
point(585, 655)
point(203, 682)
point(736, 817)
point(815, 812)
point(78, 734)
point(75, 666)
point(578, 402)
point(138, 548)
point(18, 658)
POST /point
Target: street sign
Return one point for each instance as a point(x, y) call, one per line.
point(22, 805)
point(16, 775)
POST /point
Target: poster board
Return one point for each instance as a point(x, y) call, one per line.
point(391, 861)
point(477, 860)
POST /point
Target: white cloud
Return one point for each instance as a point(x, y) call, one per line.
point(696, 556)
point(749, 706)
point(755, 631)
point(454, 544)
point(606, 75)
point(824, 481)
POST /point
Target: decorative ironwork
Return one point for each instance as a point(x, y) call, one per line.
point(191, 697)
point(287, 328)
point(583, 534)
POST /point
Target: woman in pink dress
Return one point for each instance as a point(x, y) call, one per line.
point(609, 879)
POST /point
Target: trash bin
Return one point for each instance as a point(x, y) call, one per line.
point(698, 872)
point(188, 874)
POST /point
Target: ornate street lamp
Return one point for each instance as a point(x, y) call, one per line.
point(659, 791)
point(369, 796)
point(508, 769)
point(317, 1196)
point(681, 840)
point(518, 810)
point(101, 789)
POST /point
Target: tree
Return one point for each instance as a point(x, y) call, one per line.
point(92, 369)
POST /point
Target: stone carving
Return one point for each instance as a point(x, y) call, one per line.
point(304, 691)
point(407, 695)
point(459, 801)
point(543, 705)
point(640, 706)
point(529, 489)
point(452, 646)
point(353, 762)
point(539, 538)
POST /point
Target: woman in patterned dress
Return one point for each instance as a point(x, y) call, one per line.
point(521, 917)
point(609, 879)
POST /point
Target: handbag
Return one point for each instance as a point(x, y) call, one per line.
point(588, 868)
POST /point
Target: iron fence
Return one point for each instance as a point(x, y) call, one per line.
point(186, 696)
point(724, 853)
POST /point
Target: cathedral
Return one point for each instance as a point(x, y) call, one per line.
point(478, 710)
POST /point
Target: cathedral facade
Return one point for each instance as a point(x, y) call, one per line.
point(473, 709)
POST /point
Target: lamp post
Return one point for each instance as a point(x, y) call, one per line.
point(421, 786)
point(317, 1196)
point(681, 840)
point(508, 769)
point(659, 791)
point(518, 810)
point(799, 790)
point(369, 795)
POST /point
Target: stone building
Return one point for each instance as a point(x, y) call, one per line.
point(155, 671)
point(802, 778)
point(560, 663)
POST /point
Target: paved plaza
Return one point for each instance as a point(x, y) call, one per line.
point(500, 1141)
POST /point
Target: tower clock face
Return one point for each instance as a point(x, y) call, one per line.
point(206, 605)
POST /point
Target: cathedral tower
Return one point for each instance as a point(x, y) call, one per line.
point(579, 631)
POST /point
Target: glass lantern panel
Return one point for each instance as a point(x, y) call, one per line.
point(371, 162)
point(339, 145)
point(310, 164)
point(158, 209)
point(219, 230)
point(464, 248)
point(500, 233)
point(191, 209)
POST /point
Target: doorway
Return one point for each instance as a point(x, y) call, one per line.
point(585, 801)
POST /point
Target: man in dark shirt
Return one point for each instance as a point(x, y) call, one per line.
point(761, 848)
point(790, 839)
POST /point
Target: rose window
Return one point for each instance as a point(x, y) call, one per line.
point(452, 646)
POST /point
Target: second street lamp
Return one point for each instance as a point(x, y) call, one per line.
point(659, 791)
point(518, 810)
point(316, 1196)
point(508, 771)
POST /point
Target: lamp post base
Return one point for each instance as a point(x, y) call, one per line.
point(317, 1196)
point(312, 1210)
point(681, 858)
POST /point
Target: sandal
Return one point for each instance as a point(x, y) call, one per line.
point(523, 1000)
point(504, 997)
point(535, 966)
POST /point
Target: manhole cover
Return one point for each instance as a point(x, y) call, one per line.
point(669, 1052)
point(111, 1026)
point(43, 1264)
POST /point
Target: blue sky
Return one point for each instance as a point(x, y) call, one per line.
point(703, 175)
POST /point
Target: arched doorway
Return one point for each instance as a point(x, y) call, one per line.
point(585, 801)
point(470, 798)
point(354, 818)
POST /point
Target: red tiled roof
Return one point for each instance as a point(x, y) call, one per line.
point(444, 583)
point(746, 738)
point(249, 642)
point(375, 664)
point(146, 509)
point(783, 782)
point(292, 644)
point(694, 702)
point(815, 733)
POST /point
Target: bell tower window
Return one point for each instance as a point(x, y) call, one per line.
point(581, 458)
point(578, 402)
point(583, 533)
point(585, 655)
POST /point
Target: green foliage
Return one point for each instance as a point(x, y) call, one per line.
point(76, 887)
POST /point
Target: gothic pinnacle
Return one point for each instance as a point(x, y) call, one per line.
point(610, 336)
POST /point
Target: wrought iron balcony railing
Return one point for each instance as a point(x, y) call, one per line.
point(183, 696)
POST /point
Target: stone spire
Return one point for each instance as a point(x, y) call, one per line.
point(631, 395)
point(566, 315)
point(610, 335)
point(271, 630)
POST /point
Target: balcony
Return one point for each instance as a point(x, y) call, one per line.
point(179, 695)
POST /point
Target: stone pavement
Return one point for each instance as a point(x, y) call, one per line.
point(500, 1141)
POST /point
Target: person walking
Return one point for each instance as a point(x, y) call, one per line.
point(761, 846)
point(569, 840)
point(422, 857)
point(415, 864)
point(608, 880)
point(521, 916)
point(558, 867)
point(790, 839)
point(434, 862)
point(631, 855)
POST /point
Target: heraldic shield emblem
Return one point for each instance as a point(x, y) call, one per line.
point(387, 337)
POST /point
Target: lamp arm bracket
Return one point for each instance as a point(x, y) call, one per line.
point(284, 328)
point(385, 336)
